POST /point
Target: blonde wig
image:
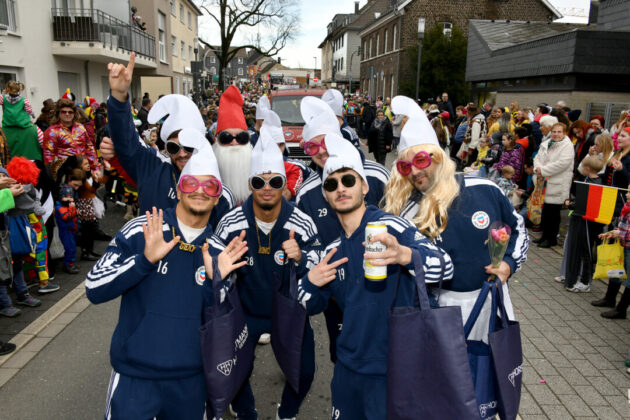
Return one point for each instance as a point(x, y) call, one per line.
point(432, 216)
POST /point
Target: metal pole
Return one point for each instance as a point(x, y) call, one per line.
point(418, 72)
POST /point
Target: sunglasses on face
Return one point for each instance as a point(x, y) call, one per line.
point(276, 182)
point(347, 180)
point(189, 184)
point(227, 138)
point(173, 148)
point(420, 160)
point(66, 112)
point(311, 148)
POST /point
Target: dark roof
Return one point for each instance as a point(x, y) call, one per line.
point(503, 34)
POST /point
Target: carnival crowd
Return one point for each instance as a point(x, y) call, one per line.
point(218, 213)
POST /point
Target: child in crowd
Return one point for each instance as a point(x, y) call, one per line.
point(505, 181)
point(581, 237)
point(66, 216)
point(484, 146)
point(150, 138)
point(511, 155)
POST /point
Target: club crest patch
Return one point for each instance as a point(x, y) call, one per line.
point(480, 219)
point(278, 257)
point(200, 275)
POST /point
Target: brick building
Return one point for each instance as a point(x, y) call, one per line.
point(386, 37)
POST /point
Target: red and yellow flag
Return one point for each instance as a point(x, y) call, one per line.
point(595, 202)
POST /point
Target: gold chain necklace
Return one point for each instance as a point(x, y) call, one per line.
point(265, 250)
point(183, 245)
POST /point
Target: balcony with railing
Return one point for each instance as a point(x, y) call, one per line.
point(100, 36)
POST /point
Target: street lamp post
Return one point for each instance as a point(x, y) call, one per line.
point(421, 23)
point(358, 52)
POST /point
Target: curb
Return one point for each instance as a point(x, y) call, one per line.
point(40, 332)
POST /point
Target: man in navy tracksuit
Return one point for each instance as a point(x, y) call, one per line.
point(359, 381)
point(156, 264)
point(275, 232)
point(155, 177)
point(310, 199)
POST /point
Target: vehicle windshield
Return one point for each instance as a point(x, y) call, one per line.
point(288, 109)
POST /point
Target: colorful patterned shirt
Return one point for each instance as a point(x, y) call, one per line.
point(624, 229)
point(60, 142)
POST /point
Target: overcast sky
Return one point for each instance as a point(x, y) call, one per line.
point(315, 15)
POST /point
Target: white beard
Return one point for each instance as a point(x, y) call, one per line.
point(234, 163)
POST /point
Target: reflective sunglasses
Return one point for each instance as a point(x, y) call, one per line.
point(276, 182)
point(348, 181)
point(173, 148)
point(421, 160)
point(189, 184)
point(226, 138)
point(311, 148)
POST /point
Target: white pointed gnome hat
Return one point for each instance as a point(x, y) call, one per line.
point(262, 106)
point(182, 113)
point(417, 129)
point(202, 161)
point(318, 118)
point(334, 99)
point(266, 156)
point(341, 154)
point(272, 126)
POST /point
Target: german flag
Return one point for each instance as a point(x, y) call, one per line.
point(595, 202)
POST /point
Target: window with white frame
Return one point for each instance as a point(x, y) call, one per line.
point(447, 28)
point(240, 71)
point(394, 39)
point(174, 46)
point(370, 49)
point(181, 13)
point(190, 53)
point(378, 41)
point(385, 41)
point(182, 49)
point(8, 14)
point(365, 51)
point(213, 59)
point(176, 84)
point(162, 35)
point(189, 20)
point(213, 70)
point(239, 60)
point(173, 8)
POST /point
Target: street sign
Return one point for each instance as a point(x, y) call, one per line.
point(315, 79)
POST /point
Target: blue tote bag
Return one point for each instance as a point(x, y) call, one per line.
point(227, 350)
point(428, 373)
point(288, 323)
point(507, 355)
point(22, 237)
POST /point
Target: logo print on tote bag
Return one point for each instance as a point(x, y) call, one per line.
point(225, 367)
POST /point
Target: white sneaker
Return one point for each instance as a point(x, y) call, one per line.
point(559, 279)
point(231, 411)
point(581, 287)
point(264, 339)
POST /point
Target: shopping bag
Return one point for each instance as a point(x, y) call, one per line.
point(480, 357)
point(56, 247)
point(428, 373)
point(507, 355)
point(535, 203)
point(227, 350)
point(610, 261)
point(22, 237)
point(288, 322)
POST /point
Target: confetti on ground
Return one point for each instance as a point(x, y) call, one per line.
point(535, 298)
point(519, 311)
point(525, 284)
point(536, 261)
point(542, 271)
point(542, 381)
point(516, 281)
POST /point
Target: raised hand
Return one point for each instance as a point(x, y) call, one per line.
point(323, 273)
point(120, 78)
point(107, 148)
point(394, 254)
point(227, 259)
point(291, 248)
point(155, 247)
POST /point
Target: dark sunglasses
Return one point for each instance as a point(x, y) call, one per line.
point(241, 138)
point(348, 181)
point(276, 182)
point(66, 112)
point(173, 148)
point(420, 160)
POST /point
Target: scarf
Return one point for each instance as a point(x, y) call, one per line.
point(626, 209)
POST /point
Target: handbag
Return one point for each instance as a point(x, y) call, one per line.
point(22, 237)
point(480, 357)
point(428, 373)
point(288, 323)
point(507, 355)
point(227, 350)
point(535, 203)
point(610, 261)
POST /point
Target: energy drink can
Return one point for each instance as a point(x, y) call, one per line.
point(374, 273)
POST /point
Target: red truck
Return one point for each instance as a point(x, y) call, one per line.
point(286, 103)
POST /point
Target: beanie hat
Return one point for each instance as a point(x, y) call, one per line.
point(262, 107)
point(342, 154)
point(182, 113)
point(266, 156)
point(334, 99)
point(318, 117)
point(203, 161)
point(273, 126)
point(445, 115)
point(68, 95)
point(66, 191)
point(4, 171)
point(574, 114)
point(231, 110)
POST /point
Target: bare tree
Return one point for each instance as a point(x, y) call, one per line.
point(278, 18)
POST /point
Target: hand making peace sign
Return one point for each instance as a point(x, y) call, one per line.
point(323, 273)
point(228, 258)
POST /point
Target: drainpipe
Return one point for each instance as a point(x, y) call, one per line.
point(398, 54)
point(87, 79)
